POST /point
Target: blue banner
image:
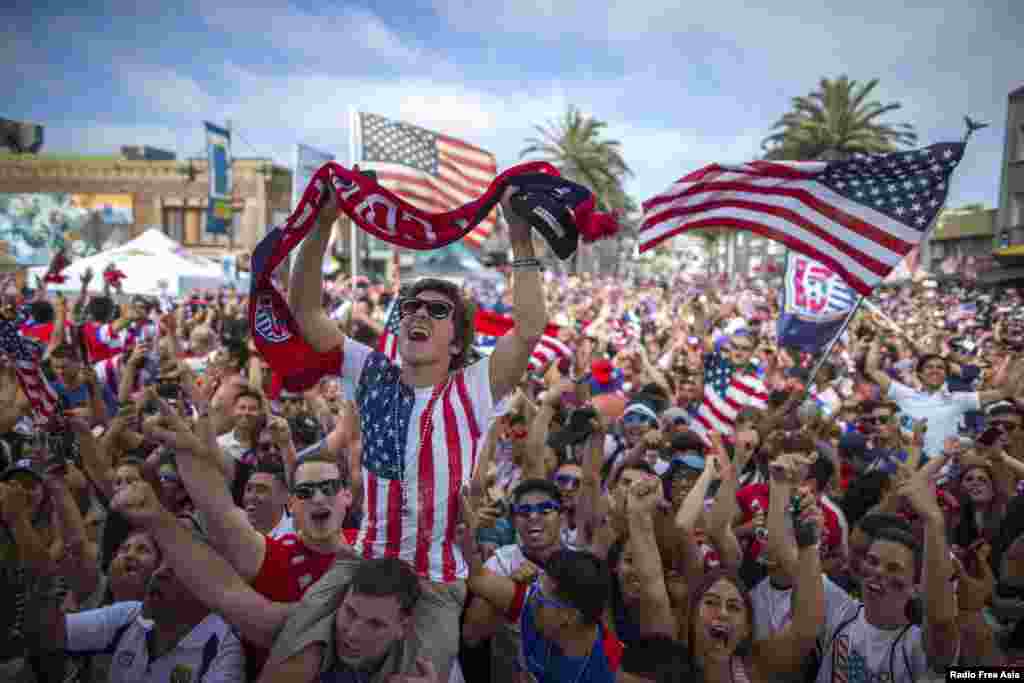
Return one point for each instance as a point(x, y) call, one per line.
point(308, 161)
point(218, 158)
point(815, 302)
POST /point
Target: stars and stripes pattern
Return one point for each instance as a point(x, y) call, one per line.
point(858, 217)
point(26, 355)
point(411, 507)
point(387, 343)
point(727, 390)
point(431, 171)
point(491, 325)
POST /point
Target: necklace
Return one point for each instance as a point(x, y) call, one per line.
point(426, 425)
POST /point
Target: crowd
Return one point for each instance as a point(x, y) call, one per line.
point(677, 499)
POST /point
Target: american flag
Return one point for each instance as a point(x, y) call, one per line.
point(431, 171)
point(387, 343)
point(411, 506)
point(727, 390)
point(858, 217)
point(26, 354)
point(549, 349)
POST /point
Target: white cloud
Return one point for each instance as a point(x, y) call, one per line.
point(335, 36)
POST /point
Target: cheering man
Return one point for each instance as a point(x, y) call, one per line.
point(422, 422)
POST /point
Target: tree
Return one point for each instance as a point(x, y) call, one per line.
point(835, 122)
point(576, 147)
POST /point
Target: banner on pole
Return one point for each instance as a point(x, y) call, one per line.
point(308, 161)
point(218, 158)
point(815, 302)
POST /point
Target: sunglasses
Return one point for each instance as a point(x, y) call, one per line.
point(567, 481)
point(169, 478)
point(877, 419)
point(328, 487)
point(742, 349)
point(438, 310)
point(635, 419)
point(527, 509)
point(1005, 425)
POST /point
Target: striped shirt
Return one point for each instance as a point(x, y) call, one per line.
point(419, 448)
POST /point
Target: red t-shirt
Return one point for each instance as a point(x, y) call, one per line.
point(289, 568)
point(752, 496)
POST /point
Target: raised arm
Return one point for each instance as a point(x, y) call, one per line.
point(305, 289)
point(873, 367)
point(79, 564)
point(228, 526)
point(207, 575)
point(512, 353)
point(655, 614)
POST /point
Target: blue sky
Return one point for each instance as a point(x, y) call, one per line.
point(680, 84)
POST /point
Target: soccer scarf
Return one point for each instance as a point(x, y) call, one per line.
point(388, 217)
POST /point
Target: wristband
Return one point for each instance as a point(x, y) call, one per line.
point(527, 264)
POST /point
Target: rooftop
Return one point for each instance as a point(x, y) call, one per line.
point(958, 224)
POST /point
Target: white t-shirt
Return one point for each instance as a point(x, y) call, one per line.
point(284, 527)
point(96, 631)
point(862, 653)
point(944, 410)
point(773, 607)
point(230, 444)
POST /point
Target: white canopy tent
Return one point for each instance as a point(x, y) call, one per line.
point(153, 264)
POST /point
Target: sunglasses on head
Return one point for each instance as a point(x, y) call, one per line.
point(328, 487)
point(567, 481)
point(527, 509)
point(438, 310)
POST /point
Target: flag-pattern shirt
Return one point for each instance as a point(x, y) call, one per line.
point(419, 448)
point(727, 390)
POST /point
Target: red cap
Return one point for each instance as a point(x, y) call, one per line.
point(602, 371)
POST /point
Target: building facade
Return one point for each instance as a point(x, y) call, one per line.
point(1008, 242)
point(130, 194)
point(961, 241)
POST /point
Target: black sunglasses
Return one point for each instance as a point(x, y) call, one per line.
point(328, 487)
point(526, 509)
point(439, 310)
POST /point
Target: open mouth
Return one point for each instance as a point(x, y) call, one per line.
point(720, 633)
point(419, 333)
point(874, 588)
point(320, 516)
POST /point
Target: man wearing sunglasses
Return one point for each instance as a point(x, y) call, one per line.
point(536, 513)
point(876, 443)
point(422, 420)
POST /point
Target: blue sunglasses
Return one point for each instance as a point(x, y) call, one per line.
point(527, 509)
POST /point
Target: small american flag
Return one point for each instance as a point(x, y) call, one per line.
point(26, 354)
point(549, 349)
point(727, 390)
point(858, 217)
point(387, 343)
point(431, 171)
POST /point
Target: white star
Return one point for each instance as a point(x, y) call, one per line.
point(948, 154)
point(933, 203)
point(900, 210)
point(916, 207)
point(920, 220)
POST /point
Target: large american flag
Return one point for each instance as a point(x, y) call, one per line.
point(411, 506)
point(858, 217)
point(431, 171)
point(727, 390)
point(25, 355)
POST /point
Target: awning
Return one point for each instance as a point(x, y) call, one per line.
point(1015, 250)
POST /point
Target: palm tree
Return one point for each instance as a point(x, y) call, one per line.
point(835, 122)
point(575, 146)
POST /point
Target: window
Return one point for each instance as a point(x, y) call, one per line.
point(174, 223)
point(1016, 209)
point(1020, 142)
point(193, 231)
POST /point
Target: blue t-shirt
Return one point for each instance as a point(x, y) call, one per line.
point(79, 398)
point(546, 661)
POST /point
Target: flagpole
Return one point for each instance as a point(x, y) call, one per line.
point(353, 123)
point(831, 345)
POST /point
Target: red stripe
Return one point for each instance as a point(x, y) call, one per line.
point(394, 544)
point(455, 142)
point(466, 185)
point(717, 415)
point(451, 436)
point(879, 237)
point(370, 484)
point(490, 169)
point(412, 197)
point(861, 286)
point(436, 187)
point(425, 493)
point(474, 426)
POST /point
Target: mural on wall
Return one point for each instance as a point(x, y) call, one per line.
point(35, 225)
